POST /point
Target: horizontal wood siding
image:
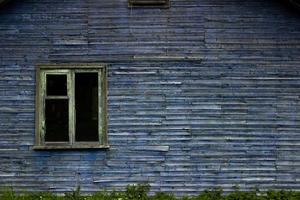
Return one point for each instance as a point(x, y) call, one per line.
point(200, 95)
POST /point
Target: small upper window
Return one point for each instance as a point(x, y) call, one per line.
point(149, 3)
point(71, 107)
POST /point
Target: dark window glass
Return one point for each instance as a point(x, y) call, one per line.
point(148, 2)
point(86, 103)
point(56, 85)
point(57, 120)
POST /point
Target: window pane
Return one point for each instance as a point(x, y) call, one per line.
point(56, 85)
point(86, 102)
point(57, 120)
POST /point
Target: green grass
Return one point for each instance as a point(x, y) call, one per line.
point(140, 192)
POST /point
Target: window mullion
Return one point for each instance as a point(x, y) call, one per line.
point(100, 120)
point(71, 95)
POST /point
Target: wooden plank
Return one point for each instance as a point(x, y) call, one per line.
point(215, 81)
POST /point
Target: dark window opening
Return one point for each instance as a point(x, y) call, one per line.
point(56, 120)
point(56, 85)
point(86, 106)
point(149, 3)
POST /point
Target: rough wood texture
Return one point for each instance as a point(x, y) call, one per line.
point(200, 95)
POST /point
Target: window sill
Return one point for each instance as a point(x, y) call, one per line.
point(69, 147)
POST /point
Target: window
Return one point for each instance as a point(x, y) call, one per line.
point(71, 107)
point(149, 3)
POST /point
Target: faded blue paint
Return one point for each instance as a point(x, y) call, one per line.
point(200, 95)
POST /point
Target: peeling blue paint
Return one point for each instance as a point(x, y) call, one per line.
point(201, 95)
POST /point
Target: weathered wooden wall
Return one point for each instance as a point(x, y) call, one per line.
point(203, 94)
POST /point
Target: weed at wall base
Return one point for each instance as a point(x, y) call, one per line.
point(140, 192)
